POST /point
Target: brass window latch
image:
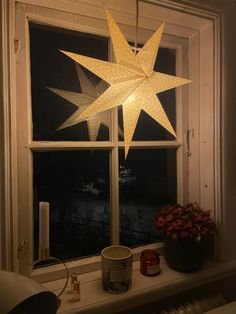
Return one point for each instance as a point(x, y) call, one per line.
point(20, 248)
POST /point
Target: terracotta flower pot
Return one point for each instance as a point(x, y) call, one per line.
point(184, 255)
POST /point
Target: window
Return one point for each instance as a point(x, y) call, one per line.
point(174, 175)
point(76, 183)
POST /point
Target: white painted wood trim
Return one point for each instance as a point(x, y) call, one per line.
point(47, 146)
point(114, 196)
point(114, 172)
point(5, 183)
point(207, 114)
point(219, 212)
point(51, 21)
point(182, 105)
point(24, 155)
point(206, 162)
point(114, 182)
point(184, 6)
point(9, 210)
point(194, 116)
point(124, 13)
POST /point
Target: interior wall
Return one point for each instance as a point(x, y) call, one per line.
point(228, 10)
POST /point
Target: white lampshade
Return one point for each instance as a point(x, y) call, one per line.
point(20, 294)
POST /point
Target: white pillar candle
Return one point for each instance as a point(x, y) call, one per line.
point(44, 225)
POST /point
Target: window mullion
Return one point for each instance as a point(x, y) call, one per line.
point(114, 170)
point(114, 180)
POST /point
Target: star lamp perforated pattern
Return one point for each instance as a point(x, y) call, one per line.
point(133, 82)
point(90, 92)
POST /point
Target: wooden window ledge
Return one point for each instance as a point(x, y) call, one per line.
point(145, 290)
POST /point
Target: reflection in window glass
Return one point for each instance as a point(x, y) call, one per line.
point(147, 180)
point(50, 68)
point(147, 128)
point(76, 184)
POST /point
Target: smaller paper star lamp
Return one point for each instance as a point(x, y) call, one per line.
point(133, 81)
point(90, 92)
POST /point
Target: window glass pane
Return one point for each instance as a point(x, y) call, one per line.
point(76, 184)
point(147, 128)
point(52, 69)
point(147, 181)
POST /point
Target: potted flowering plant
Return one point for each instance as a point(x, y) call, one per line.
point(185, 230)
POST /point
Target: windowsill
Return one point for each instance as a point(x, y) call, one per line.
point(144, 289)
point(85, 265)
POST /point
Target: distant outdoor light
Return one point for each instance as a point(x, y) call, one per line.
point(20, 294)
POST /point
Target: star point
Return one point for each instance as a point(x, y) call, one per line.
point(82, 100)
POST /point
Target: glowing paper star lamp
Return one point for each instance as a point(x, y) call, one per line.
point(90, 92)
point(133, 82)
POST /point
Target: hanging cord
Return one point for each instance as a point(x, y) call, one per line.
point(136, 29)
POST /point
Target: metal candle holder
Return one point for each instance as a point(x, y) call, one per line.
point(44, 255)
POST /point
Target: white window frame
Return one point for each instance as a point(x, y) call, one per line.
point(202, 30)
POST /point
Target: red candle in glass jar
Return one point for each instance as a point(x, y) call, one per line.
point(149, 263)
